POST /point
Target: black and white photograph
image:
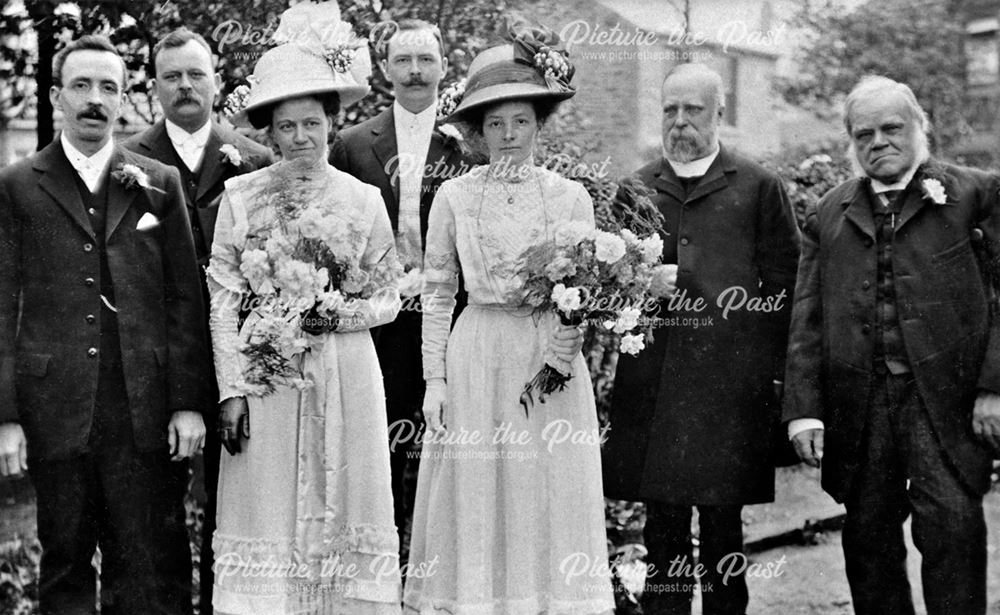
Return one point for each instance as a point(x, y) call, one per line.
point(500, 307)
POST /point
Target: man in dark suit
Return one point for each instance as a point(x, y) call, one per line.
point(394, 151)
point(694, 415)
point(206, 154)
point(894, 358)
point(102, 359)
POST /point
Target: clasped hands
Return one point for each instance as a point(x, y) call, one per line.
point(185, 437)
point(565, 342)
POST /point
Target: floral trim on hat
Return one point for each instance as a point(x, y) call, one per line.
point(238, 98)
point(340, 57)
point(540, 48)
point(450, 98)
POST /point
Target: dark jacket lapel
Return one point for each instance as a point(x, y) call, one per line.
point(858, 207)
point(57, 181)
point(386, 152)
point(915, 198)
point(715, 178)
point(666, 181)
point(211, 165)
point(156, 144)
point(119, 197)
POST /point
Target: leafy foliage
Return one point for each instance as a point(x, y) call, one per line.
point(917, 42)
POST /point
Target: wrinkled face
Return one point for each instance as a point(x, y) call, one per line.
point(885, 136)
point(413, 63)
point(90, 97)
point(691, 115)
point(185, 84)
point(509, 130)
point(300, 127)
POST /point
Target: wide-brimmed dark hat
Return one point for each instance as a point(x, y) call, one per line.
point(531, 67)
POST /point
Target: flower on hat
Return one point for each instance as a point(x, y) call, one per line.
point(237, 99)
point(339, 57)
point(450, 97)
point(552, 64)
point(540, 48)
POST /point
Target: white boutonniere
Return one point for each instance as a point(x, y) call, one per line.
point(130, 175)
point(231, 154)
point(450, 132)
point(934, 190)
point(147, 221)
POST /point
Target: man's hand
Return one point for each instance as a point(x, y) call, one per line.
point(13, 450)
point(435, 403)
point(809, 446)
point(234, 421)
point(566, 342)
point(185, 434)
point(986, 419)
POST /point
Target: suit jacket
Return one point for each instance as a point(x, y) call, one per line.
point(693, 416)
point(50, 293)
point(952, 345)
point(369, 152)
point(203, 209)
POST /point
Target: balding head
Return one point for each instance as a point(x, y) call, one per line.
point(888, 128)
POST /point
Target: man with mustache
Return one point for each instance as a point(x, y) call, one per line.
point(206, 154)
point(894, 357)
point(392, 151)
point(103, 357)
point(694, 415)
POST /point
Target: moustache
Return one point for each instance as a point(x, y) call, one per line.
point(415, 81)
point(92, 113)
point(183, 100)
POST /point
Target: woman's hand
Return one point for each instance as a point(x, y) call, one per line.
point(565, 342)
point(435, 402)
point(234, 421)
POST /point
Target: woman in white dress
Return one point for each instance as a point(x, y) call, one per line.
point(509, 515)
point(305, 518)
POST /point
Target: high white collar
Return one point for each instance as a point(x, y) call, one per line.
point(695, 168)
point(425, 119)
point(96, 163)
point(179, 136)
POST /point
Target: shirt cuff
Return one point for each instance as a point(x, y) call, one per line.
point(797, 426)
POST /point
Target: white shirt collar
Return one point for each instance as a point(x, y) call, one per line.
point(87, 166)
point(180, 137)
point(695, 168)
point(900, 184)
point(412, 121)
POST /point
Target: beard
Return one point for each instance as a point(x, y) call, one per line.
point(688, 144)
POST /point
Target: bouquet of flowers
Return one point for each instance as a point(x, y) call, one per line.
point(301, 284)
point(609, 276)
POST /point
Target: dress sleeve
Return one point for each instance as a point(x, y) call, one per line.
point(583, 206)
point(380, 262)
point(227, 287)
point(437, 299)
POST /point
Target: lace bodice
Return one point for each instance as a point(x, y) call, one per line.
point(481, 225)
point(355, 226)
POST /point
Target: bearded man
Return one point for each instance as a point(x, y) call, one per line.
point(694, 415)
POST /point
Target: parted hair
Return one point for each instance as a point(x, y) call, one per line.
point(87, 42)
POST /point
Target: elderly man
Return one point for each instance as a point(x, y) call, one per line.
point(894, 359)
point(103, 360)
point(393, 151)
point(206, 154)
point(693, 416)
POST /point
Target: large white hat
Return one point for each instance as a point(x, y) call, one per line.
point(318, 54)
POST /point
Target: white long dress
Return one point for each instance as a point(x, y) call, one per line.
point(305, 518)
point(509, 508)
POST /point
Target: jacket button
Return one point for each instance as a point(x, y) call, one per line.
point(865, 328)
point(90, 318)
point(87, 247)
point(92, 211)
point(92, 352)
point(88, 282)
point(684, 241)
point(866, 285)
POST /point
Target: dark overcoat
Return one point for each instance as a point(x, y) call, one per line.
point(942, 303)
point(693, 415)
point(50, 294)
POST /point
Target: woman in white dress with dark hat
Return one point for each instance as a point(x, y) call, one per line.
point(509, 515)
point(306, 252)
